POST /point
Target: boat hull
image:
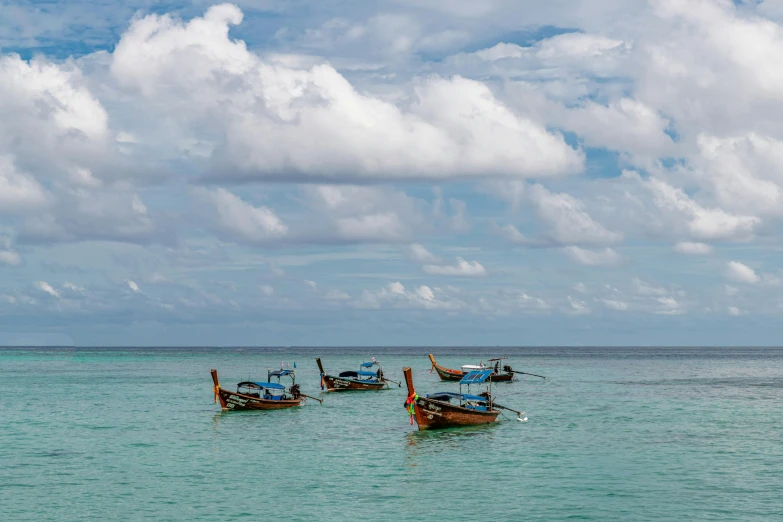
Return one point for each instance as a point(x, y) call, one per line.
point(335, 384)
point(447, 374)
point(431, 415)
point(231, 401)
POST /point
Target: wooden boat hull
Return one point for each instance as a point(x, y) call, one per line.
point(432, 415)
point(447, 374)
point(334, 384)
point(232, 401)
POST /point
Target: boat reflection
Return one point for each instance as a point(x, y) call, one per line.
point(424, 443)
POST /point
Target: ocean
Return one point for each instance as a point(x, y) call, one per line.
point(612, 434)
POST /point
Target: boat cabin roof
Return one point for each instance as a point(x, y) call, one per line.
point(254, 385)
point(471, 367)
point(368, 364)
point(357, 374)
point(445, 396)
point(476, 377)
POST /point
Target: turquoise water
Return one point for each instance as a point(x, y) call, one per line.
point(613, 434)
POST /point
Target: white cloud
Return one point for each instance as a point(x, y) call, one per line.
point(337, 295)
point(9, 257)
point(134, 287)
point(642, 288)
point(605, 257)
point(73, 288)
point(669, 306)
point(578, 307)
point(418, 253)
point(396, 295)
point(242, 220)
point(703, 223)
point(691, 248)
point(461, 268)
point(733, 310)
point(615, 304)
point(529, 302)
point(569, 222)
point(287, 123)
point(18, 191)
point(370, 214)
point(43, 286)
point(267, 290)
point(741, 273)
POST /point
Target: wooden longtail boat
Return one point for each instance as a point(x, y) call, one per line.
point(447, 374)
point(437, 411)
point(253, 395)
point(354, 380)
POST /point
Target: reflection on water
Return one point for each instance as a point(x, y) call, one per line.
point(429, 442)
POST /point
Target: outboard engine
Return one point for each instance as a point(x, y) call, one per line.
point(295, 393)
point(507, 369)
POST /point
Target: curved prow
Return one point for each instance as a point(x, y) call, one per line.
point(320, 366)
point(409, 380)
point(433, 360)
point(218, 397)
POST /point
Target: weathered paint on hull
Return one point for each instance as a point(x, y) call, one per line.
point(432, 415)
point(231, 401)
point(333, 384)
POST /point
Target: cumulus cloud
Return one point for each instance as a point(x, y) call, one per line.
point(45, 287)
point(418, 253)
point(605, 257)
point(615, 304)
point(569, 221)
point(642, 288)
point(741, 273)
point(396, 295)
point(290, 124)
point(18, 191)
point(9, 257)
point(577, 307)
point(461, 268)
point(702, 223)
point(240, 219)
point(691, 248)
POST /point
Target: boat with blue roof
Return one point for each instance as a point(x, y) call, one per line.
point(363, 379)
point(451, 409)
point(258, 395)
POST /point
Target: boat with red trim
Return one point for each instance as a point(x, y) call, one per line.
point(437, 410)
point(448, 374)
point(360, 380)
point(256, 395)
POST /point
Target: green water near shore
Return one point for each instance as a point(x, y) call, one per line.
point(613, 434)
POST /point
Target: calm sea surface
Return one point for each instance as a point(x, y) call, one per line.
point(613, 434)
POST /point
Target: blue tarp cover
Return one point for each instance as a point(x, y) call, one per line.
point(444, 396)
point(367, 364)
point(280, 373)
point(269, 385)
point(476, 377)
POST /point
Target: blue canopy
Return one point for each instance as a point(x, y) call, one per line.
point(445, 396)
point(280, 373)
point(269, 385)
point(367, 374)
point(368, 364)
point(476, 377)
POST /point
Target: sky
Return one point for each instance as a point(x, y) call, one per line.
point(406, 172)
